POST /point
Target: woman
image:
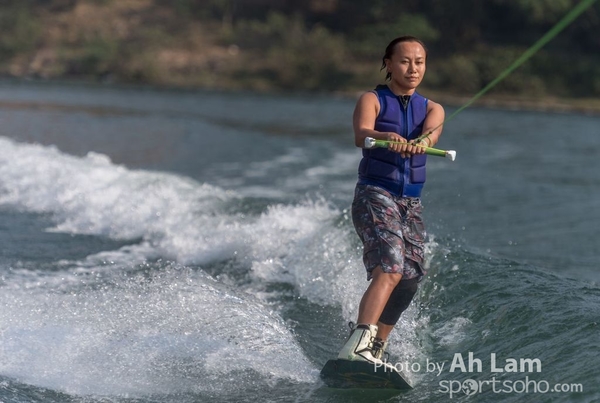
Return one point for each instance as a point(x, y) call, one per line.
point(386, 210)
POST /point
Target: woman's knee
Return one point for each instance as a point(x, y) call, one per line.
point(386, 279)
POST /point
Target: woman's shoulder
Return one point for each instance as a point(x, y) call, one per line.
point(432, 105)
point(369, 97)
point(368, 101)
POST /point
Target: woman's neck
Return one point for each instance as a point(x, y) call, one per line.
point(397, 90)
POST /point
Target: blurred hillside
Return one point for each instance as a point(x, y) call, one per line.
point(307, 45)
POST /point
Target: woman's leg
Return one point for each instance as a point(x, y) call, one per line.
point(360, 345)
point(376, 296)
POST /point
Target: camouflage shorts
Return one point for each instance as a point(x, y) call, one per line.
point(392, 231)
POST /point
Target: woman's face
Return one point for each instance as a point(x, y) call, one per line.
point(407, 66)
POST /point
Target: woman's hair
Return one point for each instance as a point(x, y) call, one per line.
point(389, 51)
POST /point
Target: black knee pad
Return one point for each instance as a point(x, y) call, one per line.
point(399, 300)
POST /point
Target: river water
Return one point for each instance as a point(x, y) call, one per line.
point(185, 246)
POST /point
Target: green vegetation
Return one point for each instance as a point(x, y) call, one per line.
point(308, 45)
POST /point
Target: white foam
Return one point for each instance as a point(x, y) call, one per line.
point(310, 245)
point(92, 196)
point(143, 335)
point(181, 220)
point(71, 331)
point(452, 332)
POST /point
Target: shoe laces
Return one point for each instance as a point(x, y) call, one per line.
point(378, 346)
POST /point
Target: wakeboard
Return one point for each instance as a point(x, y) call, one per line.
point(361, 374)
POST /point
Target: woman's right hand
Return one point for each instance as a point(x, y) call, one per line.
point(397, 142)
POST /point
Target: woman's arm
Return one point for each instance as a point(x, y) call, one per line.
point(365, 114)
point(363, 120)
point(433, 123)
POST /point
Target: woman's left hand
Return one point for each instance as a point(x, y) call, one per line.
point(412, 148)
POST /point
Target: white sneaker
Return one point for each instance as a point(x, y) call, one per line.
point(359, 346)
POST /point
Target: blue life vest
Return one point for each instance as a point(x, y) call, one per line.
point(387, 169)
